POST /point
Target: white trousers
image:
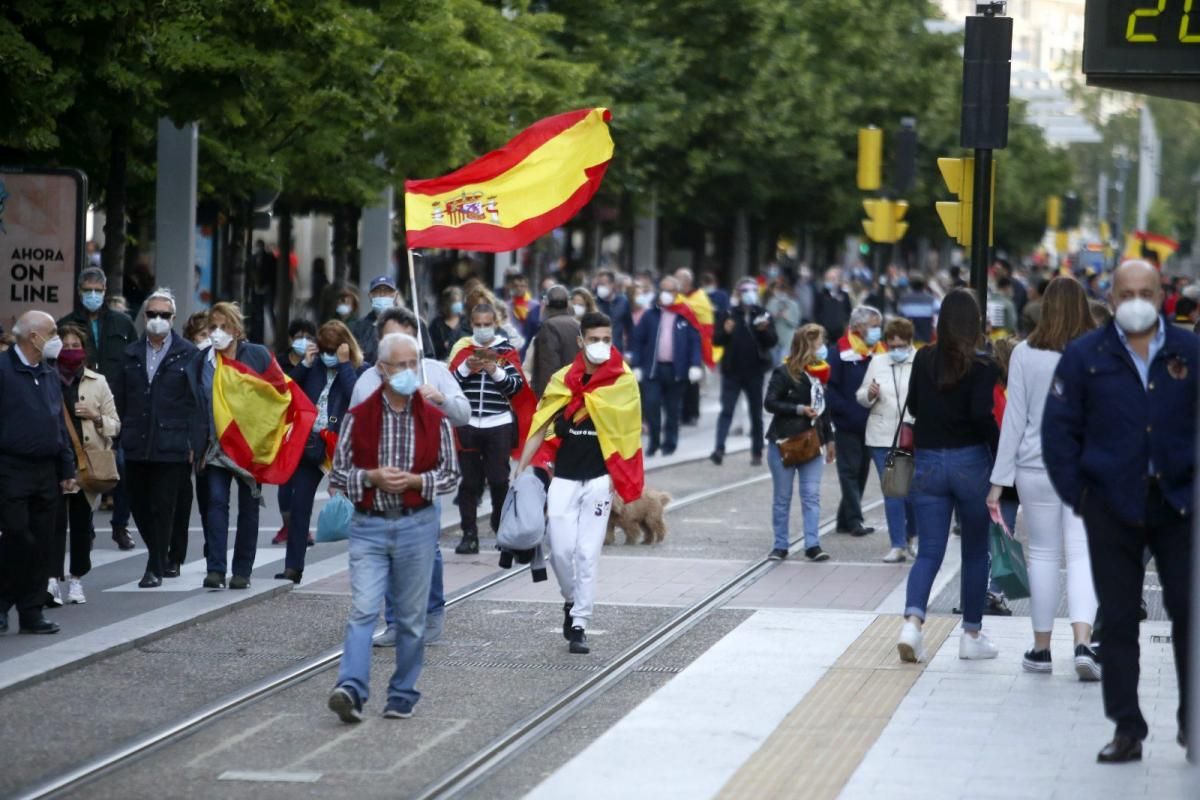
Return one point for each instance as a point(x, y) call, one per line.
point(576, 519)
point(1053, 527)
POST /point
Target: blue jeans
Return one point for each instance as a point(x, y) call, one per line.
point(437, 589)
point(389, 556)
point(946, 480)
point(245, 545)
point(662, 392)
point(810, 497)
point(901, 516)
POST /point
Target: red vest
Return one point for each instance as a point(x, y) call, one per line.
point(368, 428)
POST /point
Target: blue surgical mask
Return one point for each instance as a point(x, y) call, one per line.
point(92, 300)
point(300, 346)
point(899, 354)
point(749, 297)
point(404, 382)
point(329, 360)
point(830, 285)
point(381, 304)
point(902, 282)
point(456, 308)
point(822, 353)
point(874, 335)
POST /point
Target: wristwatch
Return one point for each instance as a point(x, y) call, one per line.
point(367, 481)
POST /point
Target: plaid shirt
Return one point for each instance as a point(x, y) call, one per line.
point(395, 450)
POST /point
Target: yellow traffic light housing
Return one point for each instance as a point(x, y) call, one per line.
point(1053, 212)
point(870, 158)
point(959, 175)
point(884, 223)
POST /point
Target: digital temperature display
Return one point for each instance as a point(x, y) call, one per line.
point(1155, 43)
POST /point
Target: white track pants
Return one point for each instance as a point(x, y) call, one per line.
point(577, 516)
point(1051, 525)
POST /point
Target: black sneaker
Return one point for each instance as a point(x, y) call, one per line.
point(862, 530)
point(214, 580)
point(398, 709)
point(344, 702)
point(567, 620)
point(578, 641)
point(816, 554)
point(997, 605)
point(1087, 663)
point(469, 546)
point(778, 554)
point(121, 536)
point(239, 582)
point(756, 461)
point(1037, 661)
point(717, 457)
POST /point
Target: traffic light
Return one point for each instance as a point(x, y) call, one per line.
point(959, 175)
point(884, 223)
point(1072, 210)
point(870, 158)
point(906, 156)
point(1053, 212)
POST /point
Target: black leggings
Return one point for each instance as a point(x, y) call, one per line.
point(74, 512)
point(483, 456)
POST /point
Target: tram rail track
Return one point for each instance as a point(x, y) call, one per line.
point(141, 746)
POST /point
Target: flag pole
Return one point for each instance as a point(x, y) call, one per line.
point(416, 308)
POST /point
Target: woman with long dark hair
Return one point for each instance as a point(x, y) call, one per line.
point(950, 396)
point(796, 398)
point(1052, 525)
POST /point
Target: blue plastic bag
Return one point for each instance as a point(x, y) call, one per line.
point(334, 523)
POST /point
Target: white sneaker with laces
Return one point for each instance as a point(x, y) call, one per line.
point(976, 648)
point(895, 556)
point(75, 592)
point(912, 644)
point(385, 639)
point(55, 592)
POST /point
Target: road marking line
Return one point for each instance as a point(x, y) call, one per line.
point(269, 777)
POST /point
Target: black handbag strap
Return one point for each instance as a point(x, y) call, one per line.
point(903, 410)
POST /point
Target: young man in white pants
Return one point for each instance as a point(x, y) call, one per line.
point(588, 426)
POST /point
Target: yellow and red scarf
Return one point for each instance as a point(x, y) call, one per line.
point(520, 306)
point(697, 309)
point(852, 341)
point(819, 371)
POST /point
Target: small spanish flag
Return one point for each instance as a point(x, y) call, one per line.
point(697, 309)
point(511, 196)
point(1139, 243)
point(611, 398)
point(263, 420)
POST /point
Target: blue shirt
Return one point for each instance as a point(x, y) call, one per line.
point(1156, 344)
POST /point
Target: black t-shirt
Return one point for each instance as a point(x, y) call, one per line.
point(957, 417)
point(579, 457)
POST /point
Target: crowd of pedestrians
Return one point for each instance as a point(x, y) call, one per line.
point(996, 406)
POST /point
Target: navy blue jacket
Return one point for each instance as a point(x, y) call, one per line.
point(1102, 430)
point(160, 421)
point(846, 372)
point(617, 309)
point(645, 342)
point(312, 381)
point(31, 414)
point(720, 300)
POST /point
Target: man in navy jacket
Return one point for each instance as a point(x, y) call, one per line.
point(665, 356)
point(36, 466)
point(1118, 438)
point(161, 433)
point(847, 368)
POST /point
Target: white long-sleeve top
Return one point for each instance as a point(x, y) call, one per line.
point(893, 391)
point(1030, 373)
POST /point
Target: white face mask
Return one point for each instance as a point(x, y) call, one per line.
point(666, 298)
point(603, 292)
point(645, 299)
point(598, 352)
point(749, 297)
point(485, 335)
point(204, 343)
point(52, 348)
point(157, 327)
point(578, 309)
point(343, 309)
point(220, 339)
point(1137, 315)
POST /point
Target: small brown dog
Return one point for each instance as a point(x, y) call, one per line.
point(647, 514)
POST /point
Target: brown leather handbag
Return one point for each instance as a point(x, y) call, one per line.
point(96, 472)
point(801, 448)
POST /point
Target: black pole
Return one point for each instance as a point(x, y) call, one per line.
point(980, 227)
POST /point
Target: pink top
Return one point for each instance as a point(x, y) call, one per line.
point(666, 337)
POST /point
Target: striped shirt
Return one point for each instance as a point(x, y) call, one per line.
point(489, 393)
point(396, 447)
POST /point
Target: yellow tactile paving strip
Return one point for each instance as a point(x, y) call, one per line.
point(817, 747)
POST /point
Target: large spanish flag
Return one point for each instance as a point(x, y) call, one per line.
point(511, 196)
point(263, 420)
point(611, 398)
point(697, 309)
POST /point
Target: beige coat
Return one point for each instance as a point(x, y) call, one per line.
point(885, 409)
point(95, 395)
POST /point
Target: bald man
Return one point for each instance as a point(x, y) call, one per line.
point(1119, 442)
point(36, 466)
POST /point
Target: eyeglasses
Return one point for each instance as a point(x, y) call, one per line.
point(159, 315)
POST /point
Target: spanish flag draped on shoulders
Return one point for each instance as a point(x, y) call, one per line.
point(261, 418)
point(697, 309)
point(523, 402)
point(610, 397)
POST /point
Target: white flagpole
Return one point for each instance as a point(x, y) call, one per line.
point(416, 308)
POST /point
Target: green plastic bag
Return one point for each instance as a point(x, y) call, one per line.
point(1008, 564)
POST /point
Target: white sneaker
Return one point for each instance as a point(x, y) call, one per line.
point(911, 549)
point(55, 592)
point(75, 592)
point(911, 644)
point(895, 556)
point(976, 648)
point(386, 639)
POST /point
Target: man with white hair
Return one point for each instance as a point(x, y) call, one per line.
point(395, 453)
point(162, 433)
point(36, 466)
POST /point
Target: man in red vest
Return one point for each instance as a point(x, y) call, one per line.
point(395, 453)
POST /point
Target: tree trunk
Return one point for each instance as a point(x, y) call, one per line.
point(284, 289)
point(236, 259)
point(345, 240)
point(112, 257)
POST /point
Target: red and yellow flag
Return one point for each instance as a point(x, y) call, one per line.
point(263, 421)
point(697, 309)
point(522, 404)
point(1138, 242)
point(511, 196)
point(611, 398)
